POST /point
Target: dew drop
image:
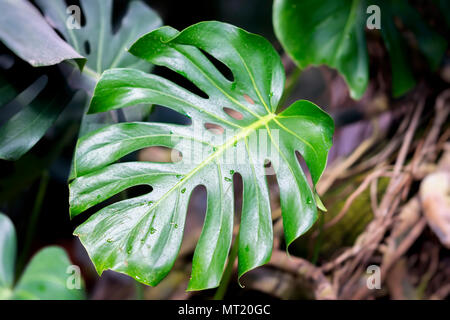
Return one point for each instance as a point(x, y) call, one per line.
point(109, 240)
point(152, 230)
point(308, 201)
point(150, 203)
point(183, 190)
point(175, 226)
point(179, 176)
point(214, 149)
point(228, 179)
point(231, 172)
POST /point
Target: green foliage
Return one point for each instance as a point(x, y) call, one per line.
point(141, 236)
point(332, 33)
point(45, 276)
point(103, 48)
point(25, 31)
point(28, 35)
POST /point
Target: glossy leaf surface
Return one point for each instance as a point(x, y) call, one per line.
point(141, 236)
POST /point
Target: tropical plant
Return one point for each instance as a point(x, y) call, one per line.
point(44, 278)
point(141, 236)
point(333, 33)
point(23, 30)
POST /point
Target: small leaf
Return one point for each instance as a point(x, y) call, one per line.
point(7, 251)
point(145, 242)
point(45, 277)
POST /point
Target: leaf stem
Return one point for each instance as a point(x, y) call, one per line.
point(139, 291)
point(31, 229)
point(220, 293)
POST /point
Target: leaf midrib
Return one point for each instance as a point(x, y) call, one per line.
point(241, 135)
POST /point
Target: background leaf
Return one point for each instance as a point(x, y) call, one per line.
point(141, 236)
point(104, 48)
point(29, 36)
point(32, 117)
point(7, 253)
point(332, 33)
point(45, 276)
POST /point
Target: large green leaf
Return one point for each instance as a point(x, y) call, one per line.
point(141, 236)
point(332, 33)
point(28, 35)
point(44, 278)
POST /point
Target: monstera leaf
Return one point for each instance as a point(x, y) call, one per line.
point(96, 40)
point(234, 130)
point(104, 48)
point(332, 33)
point(25, 32)
point(44, 278)
point(28, 35)
point(29, 107)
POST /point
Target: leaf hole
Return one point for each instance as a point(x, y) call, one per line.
point(87, 47)
point(214, 128)
point(167, 115)
point(233, 113)
point(180, 80)
point(238, 191)
point(220, 66)
point(248, 99)
point(305, 169)
point(160, 154)
point(137, 191)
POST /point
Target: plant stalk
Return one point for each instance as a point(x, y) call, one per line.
point(222, 289)
point(31, 229)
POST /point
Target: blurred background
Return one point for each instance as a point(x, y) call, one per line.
point(386, 186)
